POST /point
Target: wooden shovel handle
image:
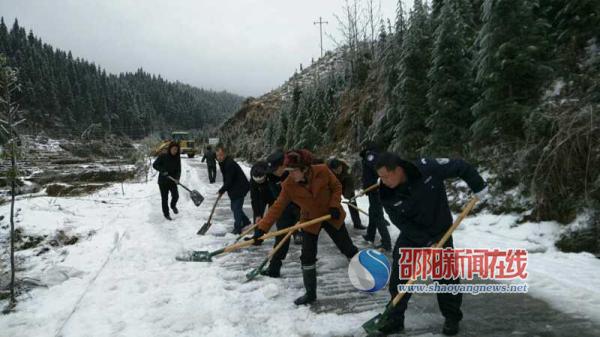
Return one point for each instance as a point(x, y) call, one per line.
point(365, 191)
point(269, 235)
point(441, 243)
point(296, 227)
point(248, 230)
point(457, 222)
point(279, 245)
point(214, 207)
point(349, 203)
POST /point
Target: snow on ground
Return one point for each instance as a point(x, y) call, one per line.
point(121, 278)
point(567, 281)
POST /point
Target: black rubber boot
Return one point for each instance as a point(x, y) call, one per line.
point(309, 275)
point(175, 210)
point(450, 327)
point(274, 269)
point(167, 216)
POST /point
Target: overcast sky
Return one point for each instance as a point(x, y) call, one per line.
point(244, 46)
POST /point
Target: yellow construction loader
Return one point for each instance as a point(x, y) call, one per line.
point(186, 144)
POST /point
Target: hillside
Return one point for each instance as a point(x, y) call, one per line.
point(64, 96)
point(471, 79)
point(245, 131)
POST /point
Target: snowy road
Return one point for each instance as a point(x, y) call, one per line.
point(121, 279)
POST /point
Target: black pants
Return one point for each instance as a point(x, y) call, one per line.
point(289, 218)
point(377, 222)
point(354, 212)
point(339, 236)
point(212, 173)
point(165, 188)
point(239, 217)
point(449, 304)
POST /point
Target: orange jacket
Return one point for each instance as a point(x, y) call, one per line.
point(322, 191)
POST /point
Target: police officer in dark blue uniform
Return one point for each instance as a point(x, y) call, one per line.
point(414, 197)
point(377, 222)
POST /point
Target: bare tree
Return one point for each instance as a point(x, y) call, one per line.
point(353, 29)
point(372, 18)
point(9, 113)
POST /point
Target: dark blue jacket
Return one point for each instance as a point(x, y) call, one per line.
point(419, 207)
point(235, 182)
point(369, 173)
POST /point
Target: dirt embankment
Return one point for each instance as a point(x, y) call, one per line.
point(60, 167)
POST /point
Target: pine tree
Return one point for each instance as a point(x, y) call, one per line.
point(291, 132)
point(269, 135)
point(391, 56)
point(3, 37)
point(302, 119)
point(311, 137)
point(410, 133)
point(282, 126)
point(510, 68)
point(574, 23)
point(450, 94)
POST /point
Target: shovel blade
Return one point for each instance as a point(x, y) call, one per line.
point(195, 256)
point(197, 198)
point(204, 229)
point(256, 271)
point(202, 256)
point(372, 326)
point(251, 275)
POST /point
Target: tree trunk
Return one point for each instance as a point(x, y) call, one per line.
point(13, 301)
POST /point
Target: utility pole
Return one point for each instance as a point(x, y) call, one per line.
point(320, 23)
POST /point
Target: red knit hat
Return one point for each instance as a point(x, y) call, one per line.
point(297, 159)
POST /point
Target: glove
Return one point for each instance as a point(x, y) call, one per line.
point(257, 234)
point(164, 174)
point(335, 213)
point(483, 195)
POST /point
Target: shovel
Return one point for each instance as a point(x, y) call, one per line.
point(205, 256)
point(373, 325)
point(246, 232)
point(365, 191)
point(196, 255)
point(207, 225)
point(349, 203)
point(254, 272)
point(197, 198)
